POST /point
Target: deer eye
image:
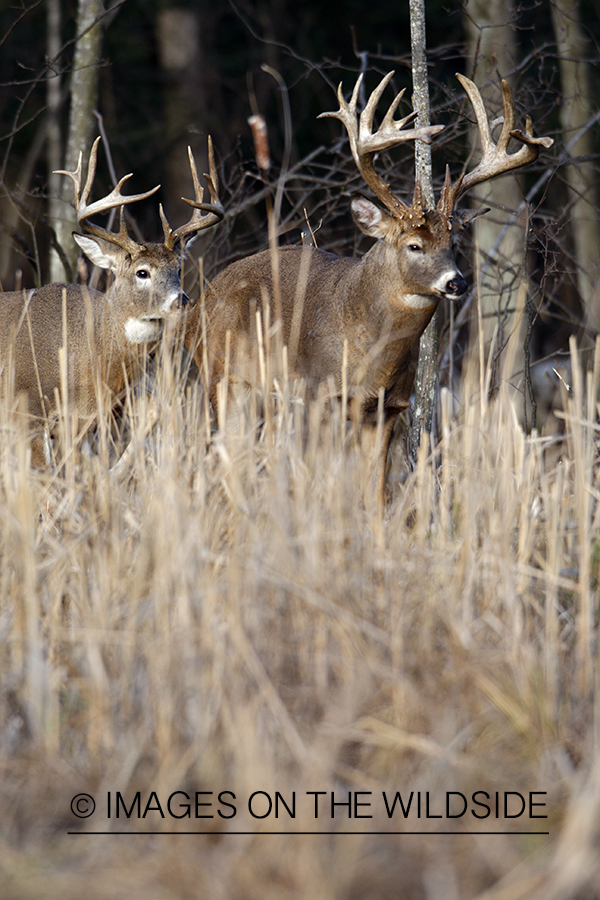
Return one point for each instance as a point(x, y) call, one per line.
point(143, 274)
point(415, 248)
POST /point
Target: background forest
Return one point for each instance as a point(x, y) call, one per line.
point(163, 75)
point(227, 617)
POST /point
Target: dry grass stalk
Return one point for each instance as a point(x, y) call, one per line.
point(227, 618)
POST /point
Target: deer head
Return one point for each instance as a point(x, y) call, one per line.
point(417, 231)
point(154, 268)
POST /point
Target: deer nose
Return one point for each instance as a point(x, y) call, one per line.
point(184, 299)
point(456, 287)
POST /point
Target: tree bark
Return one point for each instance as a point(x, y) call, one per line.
point(492, 52)
point(427, 367)
point(84, 99)
point(53, 136)
point(575, 112)
point(180, 55)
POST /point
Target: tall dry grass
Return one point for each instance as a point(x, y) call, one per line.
point(228, 618)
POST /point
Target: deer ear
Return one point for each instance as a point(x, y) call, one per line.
point(369, 217)
point(463, 217)
point(186, 242)
point(102, 253)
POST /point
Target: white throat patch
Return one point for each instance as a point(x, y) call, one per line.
point(419, 301)
point(142, 331)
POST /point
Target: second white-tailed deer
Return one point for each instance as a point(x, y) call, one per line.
point(104, 336)
point(360, 319)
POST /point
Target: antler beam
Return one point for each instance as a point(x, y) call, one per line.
point(495, 159)
point(214, 210)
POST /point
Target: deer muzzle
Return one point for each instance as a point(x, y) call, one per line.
point(456, 287)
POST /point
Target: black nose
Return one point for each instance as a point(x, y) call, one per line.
point(184, 299)
point(456, 287)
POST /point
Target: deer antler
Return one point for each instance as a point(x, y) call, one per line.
point(364, 143)
point(214, 210)
point(112, 200)
point(495, 159)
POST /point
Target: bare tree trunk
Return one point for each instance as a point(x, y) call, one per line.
point(427, 367)
point(575, 112)
point(53, 136)
point(84, 98)
point(180, 55)
point(492, 49)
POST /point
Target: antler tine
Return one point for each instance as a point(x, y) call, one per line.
point(389, 132)
point(347, 116)
point(91, 173)
point(75, 177)
point(212, 179)
point(112, 200)
point(449, 193)
point(167, 230)
point(214, 210)
point(495, 159)
point(364, 143)
point(390, 124)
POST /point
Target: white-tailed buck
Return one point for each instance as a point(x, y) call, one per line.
point(104, 336)
point(360, 319)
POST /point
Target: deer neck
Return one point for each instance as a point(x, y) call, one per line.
point(121, 345)
point(387, 321)
point(121, 323)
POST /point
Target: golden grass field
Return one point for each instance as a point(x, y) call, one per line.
point(227, 619)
